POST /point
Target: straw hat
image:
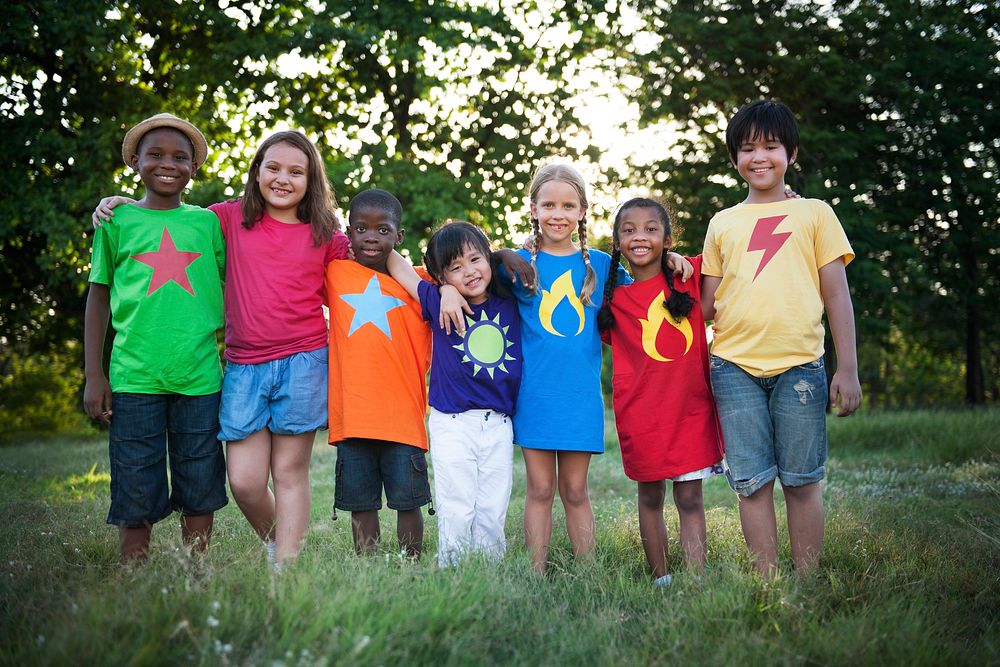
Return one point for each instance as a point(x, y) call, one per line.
point(130, 146)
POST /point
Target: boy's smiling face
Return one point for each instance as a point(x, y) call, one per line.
point(165, 162)
point(762, 163)
point(373, 234)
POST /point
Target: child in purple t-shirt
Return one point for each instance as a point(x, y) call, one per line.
point(475, 376)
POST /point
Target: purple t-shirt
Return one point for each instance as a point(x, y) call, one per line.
point(480, 370)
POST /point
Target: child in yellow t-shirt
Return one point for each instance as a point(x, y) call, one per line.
point(771, 265)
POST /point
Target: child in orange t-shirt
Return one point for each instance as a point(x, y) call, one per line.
point(379, 356)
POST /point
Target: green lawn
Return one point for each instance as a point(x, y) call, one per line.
point(910, 574)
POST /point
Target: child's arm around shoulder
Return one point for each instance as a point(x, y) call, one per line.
point(404, 274)
point(105, 209)
point(845, 387)
point(97, 391)
point(452, 303)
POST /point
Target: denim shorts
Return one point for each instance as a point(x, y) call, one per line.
point(774, 426)
point(287, 396)
point(144, 429)
point(365, 467)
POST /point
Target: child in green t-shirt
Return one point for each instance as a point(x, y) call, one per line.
point(157, 272)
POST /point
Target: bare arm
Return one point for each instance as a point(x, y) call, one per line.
point(708, 286)
point(403, 273)
point(680, 264)
point(845, 388)
point(97, 391)
point(517, 267)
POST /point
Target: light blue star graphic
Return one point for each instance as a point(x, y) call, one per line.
point(371, 306)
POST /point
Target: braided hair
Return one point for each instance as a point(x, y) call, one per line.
point(556, 171)
point(536, 240)
point(678, 304)
point(590, 277)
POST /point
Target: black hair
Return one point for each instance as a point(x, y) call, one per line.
point(378, 200)
point(678, 304)
point(763, 118)
point(450, 241)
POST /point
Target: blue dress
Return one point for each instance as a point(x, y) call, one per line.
point(560, 405)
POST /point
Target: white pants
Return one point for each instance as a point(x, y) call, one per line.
point(472, 459)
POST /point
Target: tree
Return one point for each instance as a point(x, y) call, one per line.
point(449, 105)
point(879, 109)
point(71, 83)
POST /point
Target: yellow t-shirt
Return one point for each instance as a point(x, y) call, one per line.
point(768, 306)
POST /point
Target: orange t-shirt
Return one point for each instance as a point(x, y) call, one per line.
point(380, 350)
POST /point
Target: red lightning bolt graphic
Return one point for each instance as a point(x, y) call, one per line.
point(764, 238)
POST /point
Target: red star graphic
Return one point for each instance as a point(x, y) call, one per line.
point(168, 264)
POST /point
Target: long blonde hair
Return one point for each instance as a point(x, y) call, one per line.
point(566, 173)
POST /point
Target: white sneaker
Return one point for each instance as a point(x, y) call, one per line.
point(663, 581)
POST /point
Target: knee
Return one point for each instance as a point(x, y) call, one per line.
point(246, 489)
point(574, 495)
point(651, 496)
point(288, 477)
point(541, 492)
point(806, 493)
point(687, 498)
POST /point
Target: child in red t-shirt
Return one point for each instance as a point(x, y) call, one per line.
point(664, 410)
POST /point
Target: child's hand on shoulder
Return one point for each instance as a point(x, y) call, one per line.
point(518, 268)
point(105, 209)
point(680, 265)
point(453, 309)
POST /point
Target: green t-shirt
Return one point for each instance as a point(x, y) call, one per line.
point(165, 271)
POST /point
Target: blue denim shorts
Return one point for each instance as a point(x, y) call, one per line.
point(774, 426)
point(287, 396)
point(144, 429)
point(365, 466)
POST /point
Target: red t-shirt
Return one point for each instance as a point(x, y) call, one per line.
point(274, 286)
point(664, 409)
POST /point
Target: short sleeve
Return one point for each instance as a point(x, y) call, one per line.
point(430, 301)
point(711, 256)
point(831, 239)
point(337, 247)
point(103, 252)
point(219, 243)
point(229, 214)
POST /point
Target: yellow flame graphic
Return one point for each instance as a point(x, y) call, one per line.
point(656, 315)
point(562, 288)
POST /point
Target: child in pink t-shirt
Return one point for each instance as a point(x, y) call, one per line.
point(280, 235)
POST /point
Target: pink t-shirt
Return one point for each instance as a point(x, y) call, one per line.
point(274, 286)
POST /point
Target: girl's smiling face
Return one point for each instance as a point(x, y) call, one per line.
point(283, 181)
point(470, 273)
point(642, 236)
point(558, 209)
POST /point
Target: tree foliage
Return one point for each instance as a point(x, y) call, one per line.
point(447, 104)
point(898, 132)
point(71, 83)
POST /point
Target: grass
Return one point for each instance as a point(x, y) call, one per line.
point(910, 574)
